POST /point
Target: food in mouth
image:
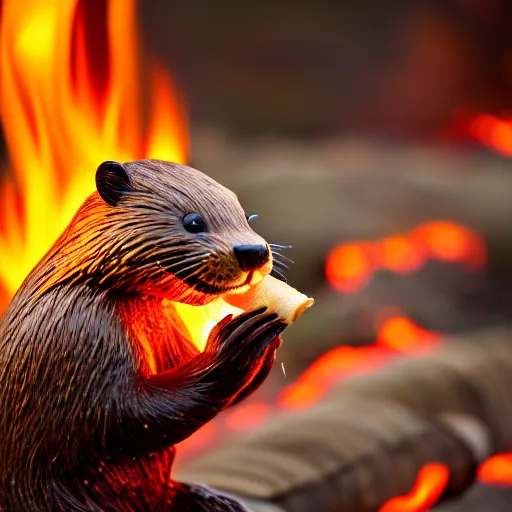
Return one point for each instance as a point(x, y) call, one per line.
point(277, 296)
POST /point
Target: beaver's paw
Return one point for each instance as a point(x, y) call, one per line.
point(247, 334)
point(236, 349)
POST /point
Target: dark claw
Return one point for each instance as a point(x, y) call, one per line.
point(248, 334)
point(243, 318)
point(236, 328)
point(224, 330)
point(270, 335)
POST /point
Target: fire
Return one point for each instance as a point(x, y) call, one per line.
point(400, 254)
point(71, 99)
point(330, 368)
point(350, 266)
point(403, 335)
point(493, 132)
point(396, 335)
point(430, 484)
point(497, 470)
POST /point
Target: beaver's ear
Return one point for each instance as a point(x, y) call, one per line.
point(112, 182)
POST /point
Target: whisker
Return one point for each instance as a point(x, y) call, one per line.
point(279, 247)
point(280, 257)
point(180, 270)
point(279, 275)
point(281, 265)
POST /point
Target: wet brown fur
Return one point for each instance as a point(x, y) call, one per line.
point(97, 384)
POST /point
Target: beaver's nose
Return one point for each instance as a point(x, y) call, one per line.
point(251, 256)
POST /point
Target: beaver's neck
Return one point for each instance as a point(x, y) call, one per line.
point(158, 336)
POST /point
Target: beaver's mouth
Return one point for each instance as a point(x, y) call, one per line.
point(195, 272)
point(219, 289)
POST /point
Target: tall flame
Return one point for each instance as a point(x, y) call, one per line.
point(70, 99)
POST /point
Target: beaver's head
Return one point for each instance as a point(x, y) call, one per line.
point(169, 230)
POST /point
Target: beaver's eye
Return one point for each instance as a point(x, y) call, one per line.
point(194, 223)
point(251, 217)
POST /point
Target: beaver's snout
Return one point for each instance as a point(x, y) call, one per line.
point(251, 257)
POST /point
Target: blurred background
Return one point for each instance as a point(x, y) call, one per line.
point(349, 122)
point(373, 137)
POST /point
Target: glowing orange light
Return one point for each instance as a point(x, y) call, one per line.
point(327, 370)
point(199, 321)
point(501, 138)
point(63, 115)
point(493, 132)
point(403, 335)
point(61, 118)
point(201, 439)
point(400, 255)
point(448, 241)
point(481, 127)
point(301, 395)
point(497, 470)
point(348, 267)
point(247, 416)
point(431, 482)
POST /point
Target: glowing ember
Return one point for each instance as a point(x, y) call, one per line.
point(403, 335)
point(70, 100)
point(493, 132)
point(330, 368)
point(430, 484)
point(401, 255)
point(350, 266)
point(395, 335)
point(497, 470)
point(447, 241)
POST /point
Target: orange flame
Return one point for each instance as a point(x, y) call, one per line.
point(403, 335)
point(493, 132)
point(400, 254)
point(497, 470)
point(396, 335)
point(350, 266)
point(70, 100)
point(430, 484)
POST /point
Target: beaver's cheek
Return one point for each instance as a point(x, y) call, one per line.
point(223, 272)
point(228, 273)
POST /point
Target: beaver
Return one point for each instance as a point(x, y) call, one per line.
point(97, 384)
